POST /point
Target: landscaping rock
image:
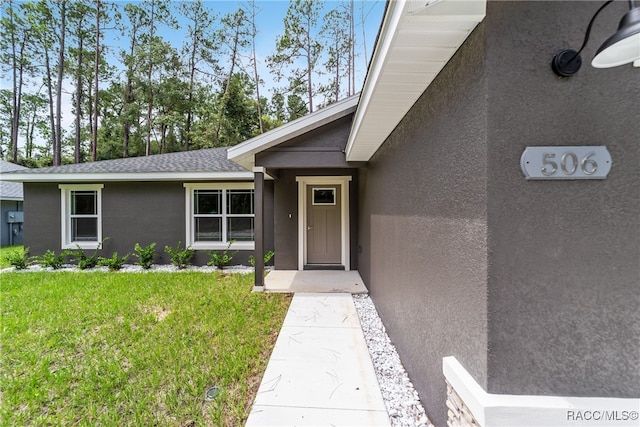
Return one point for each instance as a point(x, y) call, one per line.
point(400, 397)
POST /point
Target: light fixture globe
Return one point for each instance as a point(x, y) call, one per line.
point(624, 46)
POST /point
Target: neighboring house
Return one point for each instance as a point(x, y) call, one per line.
point(197, 198)
point(522, 295)
point(11, 212)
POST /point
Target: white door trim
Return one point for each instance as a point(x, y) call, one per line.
point(303, 182)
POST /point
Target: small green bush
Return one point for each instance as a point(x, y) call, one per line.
point(115, 262)
point(85, 261)
point(181, 258)
point(18, 258)
point(145, 255)
point(221, 259)
point(267, 257)
point(50, 259)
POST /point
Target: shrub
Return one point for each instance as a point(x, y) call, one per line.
point(85, 261)
point(115, 262)
point(145, 255)
point(221, 259)
point(18, 258)
point(267, 258)
point(50, 259)
point(181, 258)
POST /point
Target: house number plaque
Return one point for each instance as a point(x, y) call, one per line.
point(586, 162)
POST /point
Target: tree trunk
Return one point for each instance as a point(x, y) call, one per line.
point(309, 53)
point(127, 123)
point(79, 92)
point(337, 88)
point(18, 72)
point(52, 121)
point(254, 32)
point(149, 73)
point(96, 68)
point(31, 126)
point(223, 101)
point(57, 149)
point(128, 99)
point(352, 51)
point(192, 65)
point(363, 18)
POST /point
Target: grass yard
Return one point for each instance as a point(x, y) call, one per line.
point(132, 348)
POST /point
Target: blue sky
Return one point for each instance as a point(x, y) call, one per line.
point(269, 22)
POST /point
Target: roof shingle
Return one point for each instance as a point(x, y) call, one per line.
point(204, 160)
point(10, 190)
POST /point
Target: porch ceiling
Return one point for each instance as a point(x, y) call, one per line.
point(416, 41)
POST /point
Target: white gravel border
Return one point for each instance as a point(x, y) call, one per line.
point(400, 397)
point(131, 268)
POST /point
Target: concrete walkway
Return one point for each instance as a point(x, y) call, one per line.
point(292, 281)
point(320, 372)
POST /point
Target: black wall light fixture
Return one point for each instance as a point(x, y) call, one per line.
point(621, 48)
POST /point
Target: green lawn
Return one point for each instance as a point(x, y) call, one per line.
point(132, 348)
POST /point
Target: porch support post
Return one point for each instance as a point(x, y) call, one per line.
point(259, 229)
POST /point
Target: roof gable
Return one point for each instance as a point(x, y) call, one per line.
point(244, 154)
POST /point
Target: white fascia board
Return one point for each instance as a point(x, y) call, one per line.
point(387, 34)
point(244, 154)
point(11, 199)
point(398, 15)
point(263, 170)
point(142, 176)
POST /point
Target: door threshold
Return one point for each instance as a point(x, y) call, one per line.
point(324, 267)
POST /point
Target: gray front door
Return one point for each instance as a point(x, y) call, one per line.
point(324, 223)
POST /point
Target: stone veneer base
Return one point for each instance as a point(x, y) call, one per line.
point(470, 406)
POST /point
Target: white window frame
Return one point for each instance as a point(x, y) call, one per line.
point(313, 196)
point(65, 205)
point(190, 219)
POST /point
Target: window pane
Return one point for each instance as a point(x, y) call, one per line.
point(240, 202)
point(83, 203)
point(84, 229)
point(208, 230)
point(207, 201)
point(324, 196)
point(240, 229)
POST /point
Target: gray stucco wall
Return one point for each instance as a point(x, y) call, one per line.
point(41, 217)
point(132, 212)
point(564, 262)
point(423, 228)
point(144, 213)
point(533, 286)
point(321, 148)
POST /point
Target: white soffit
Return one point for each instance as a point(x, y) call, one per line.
point(244, 154)
point(417, 39)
